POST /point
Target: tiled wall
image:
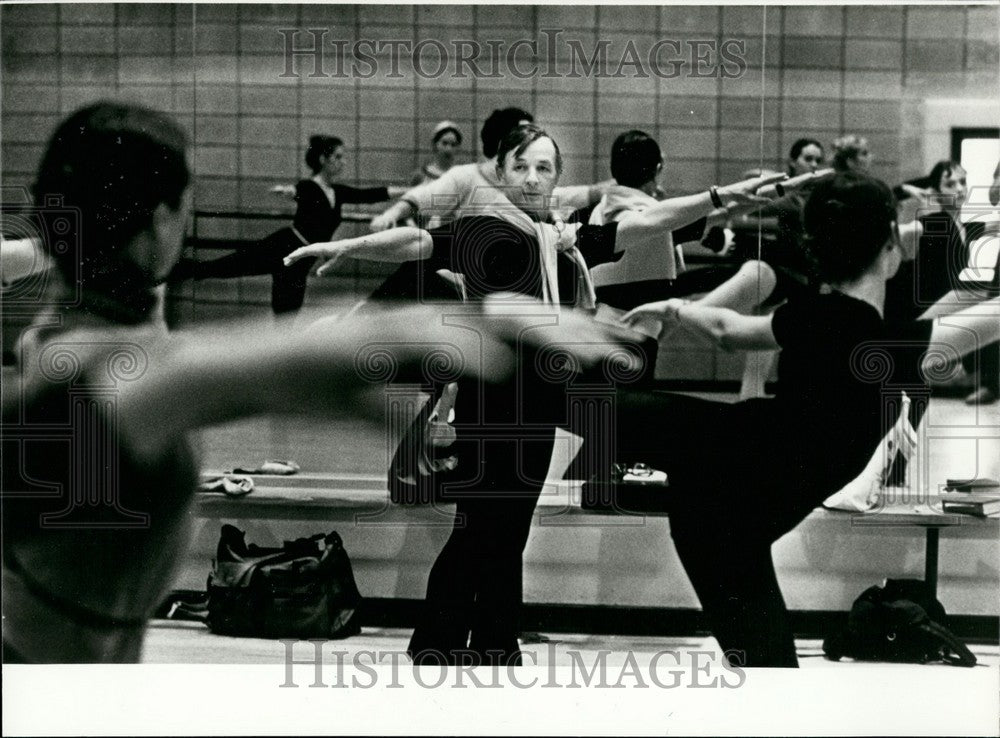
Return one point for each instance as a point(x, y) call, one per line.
point(828, 70)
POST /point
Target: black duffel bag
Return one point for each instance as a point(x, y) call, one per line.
point(900, 622)
point(305, 589)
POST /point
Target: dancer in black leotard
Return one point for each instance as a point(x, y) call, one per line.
point(319, 200)
point(782, 456)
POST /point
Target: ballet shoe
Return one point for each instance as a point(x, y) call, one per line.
point(280, 467)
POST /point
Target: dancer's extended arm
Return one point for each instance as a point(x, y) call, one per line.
point(726, 328)
point(395, 245)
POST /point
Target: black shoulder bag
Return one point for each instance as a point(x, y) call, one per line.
point(305, 589)
point(900, 622)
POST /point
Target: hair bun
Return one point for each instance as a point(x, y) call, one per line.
point(848, 221)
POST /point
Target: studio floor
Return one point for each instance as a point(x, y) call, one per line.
point(178, 642)
point(193, 682)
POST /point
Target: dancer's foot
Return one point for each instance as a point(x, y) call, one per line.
point(496, 651)
point(439, 645)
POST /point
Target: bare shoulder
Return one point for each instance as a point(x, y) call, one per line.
point(105, 357)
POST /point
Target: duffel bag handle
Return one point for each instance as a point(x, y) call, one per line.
point(963, 656)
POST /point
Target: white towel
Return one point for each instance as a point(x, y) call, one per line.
point(640, 262)
point(863, 493)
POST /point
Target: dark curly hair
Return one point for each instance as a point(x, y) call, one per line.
point(847, 219)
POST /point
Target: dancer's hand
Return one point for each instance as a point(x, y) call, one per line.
point(326, 254)
point(746, 191)
point(382, 222)
point(783, 187)
point(567, 235)
point(398, 211)
point(664, 310)
point(923, 196)
point(919, 202)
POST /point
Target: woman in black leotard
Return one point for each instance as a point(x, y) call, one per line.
point(319, 200)
point(744, 474)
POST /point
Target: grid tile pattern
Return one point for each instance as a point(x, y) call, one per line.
point(221, 69)
point(223, 72)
